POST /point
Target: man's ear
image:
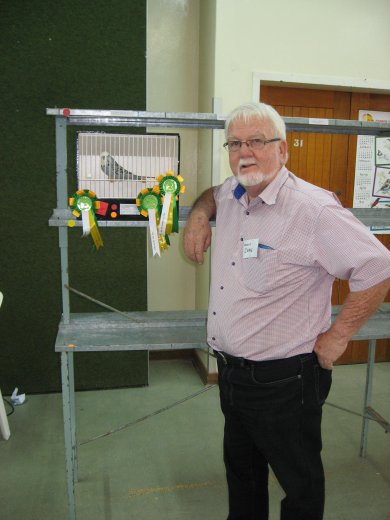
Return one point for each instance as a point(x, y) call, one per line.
point(283, 152)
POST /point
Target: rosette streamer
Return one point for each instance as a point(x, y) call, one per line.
point(149, 205)
point(83, 203)
point(170, 187)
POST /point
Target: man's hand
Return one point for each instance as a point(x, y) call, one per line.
point(197, 236)
point(357, 308)
point(329, 348)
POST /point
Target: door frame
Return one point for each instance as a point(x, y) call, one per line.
point(321, 82)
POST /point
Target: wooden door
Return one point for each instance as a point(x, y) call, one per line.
point(328, 160)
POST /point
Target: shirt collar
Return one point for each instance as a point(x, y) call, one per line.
point(269, 194)
point(238, 191)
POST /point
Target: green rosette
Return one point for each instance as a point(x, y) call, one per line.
point(149, 205)
point(171, 184)
point(148, 199)
point(82, 200)
point(83, 204)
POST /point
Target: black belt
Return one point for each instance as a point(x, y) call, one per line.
point(227, 359)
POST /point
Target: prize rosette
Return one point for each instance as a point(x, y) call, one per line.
point(84, 203)
point(149, 205)
point(170, 187)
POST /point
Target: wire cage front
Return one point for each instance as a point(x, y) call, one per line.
point(118, 166)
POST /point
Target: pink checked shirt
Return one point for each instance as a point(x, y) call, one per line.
point(274, 305)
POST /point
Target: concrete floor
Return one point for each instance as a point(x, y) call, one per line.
point(169, 466)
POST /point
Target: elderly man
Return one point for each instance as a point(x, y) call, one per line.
point(280, 243)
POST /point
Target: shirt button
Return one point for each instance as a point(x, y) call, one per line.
point(214, 313)
point(221, 286)
point(213, 338)
point(247, 212)
point(233, 263)
point(241, 239)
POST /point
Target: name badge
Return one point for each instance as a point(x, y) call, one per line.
point(250, 248)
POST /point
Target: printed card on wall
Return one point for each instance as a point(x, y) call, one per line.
point(372, 168)
point(382, 182)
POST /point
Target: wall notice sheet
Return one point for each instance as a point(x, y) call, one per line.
point(372, 168)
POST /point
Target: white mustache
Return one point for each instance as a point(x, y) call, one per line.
point(246, 162)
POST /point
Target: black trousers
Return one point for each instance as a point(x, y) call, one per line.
point(273, 413)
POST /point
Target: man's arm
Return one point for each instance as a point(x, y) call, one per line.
point(197, 233)
point(357, 308)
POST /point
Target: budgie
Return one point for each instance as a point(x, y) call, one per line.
point(115, 171)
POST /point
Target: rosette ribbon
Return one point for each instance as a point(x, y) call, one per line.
point(170, 187)
point(149, 205)
point(83, 203)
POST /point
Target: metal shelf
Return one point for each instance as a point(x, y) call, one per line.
point(131, 118)
point(60, 218)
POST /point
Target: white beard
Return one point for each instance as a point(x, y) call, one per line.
point(253, 178)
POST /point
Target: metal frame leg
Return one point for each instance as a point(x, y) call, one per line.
point(68, 406)
point(367, 396)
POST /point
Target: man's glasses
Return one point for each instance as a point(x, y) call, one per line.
point(253, 144)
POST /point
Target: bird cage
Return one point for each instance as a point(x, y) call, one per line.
point(118, 166)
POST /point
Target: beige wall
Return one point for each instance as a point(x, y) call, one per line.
point(172, 86)
point(207, 24)
point(338, 38)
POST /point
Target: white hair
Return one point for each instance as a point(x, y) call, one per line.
point(261, 111)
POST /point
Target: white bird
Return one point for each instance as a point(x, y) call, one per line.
point(115, 171)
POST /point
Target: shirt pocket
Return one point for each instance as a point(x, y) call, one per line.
point(258, 274)
point(275, 269)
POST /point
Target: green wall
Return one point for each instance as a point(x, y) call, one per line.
point(79, 54)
